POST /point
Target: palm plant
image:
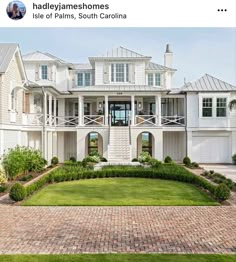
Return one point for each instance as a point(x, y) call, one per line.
point(232, 104)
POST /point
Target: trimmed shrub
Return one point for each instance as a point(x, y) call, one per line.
point(103, 159)
point(54, 161)
point(135, 160)
point(17, 192)
point(144, 157)
point(211, 172)
point(187, 161)
point(222, 192)
point(72, 159)
point(195, 164)
point(26, 178)
point(3, 188)
point(155, 163)
point(234, 159)
point(168, 160)
point(229, 183)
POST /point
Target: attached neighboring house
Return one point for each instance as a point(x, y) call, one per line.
point(120, 104)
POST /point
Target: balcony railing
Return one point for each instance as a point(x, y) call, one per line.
point(93, 120)
point(146, 120)
point(173, 120)
point(32, 119)
point(67, 121)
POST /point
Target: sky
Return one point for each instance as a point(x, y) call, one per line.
point(196, 51)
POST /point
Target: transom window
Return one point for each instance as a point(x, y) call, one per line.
point(221, 107)
point(44, 72)
point(119, 73)
point(154, 79)
point(83, 79)
point(207, 107)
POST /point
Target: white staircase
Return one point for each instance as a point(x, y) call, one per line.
point(119, 149)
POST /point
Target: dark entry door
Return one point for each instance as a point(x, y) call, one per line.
point(120, 112)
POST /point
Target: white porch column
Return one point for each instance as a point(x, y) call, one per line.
point(50, 110)
point(158, 144)
point(106, 110)
point(132, 110)
point(55, 110)
point(233, 143)
point(189, 144)
point(45, 109)
point(159, 110)
point(81, 110)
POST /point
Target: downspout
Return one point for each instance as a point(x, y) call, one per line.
point(186, 123)
point(43, 129)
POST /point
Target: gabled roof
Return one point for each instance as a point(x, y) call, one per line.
point(6, 53)
point(154, 66)
point(82, 67)
point(122, 52)
point(40, 56)
point(207, 83)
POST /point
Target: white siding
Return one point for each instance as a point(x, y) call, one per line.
point(174, 145)
point(35, 140)
point(70, 144)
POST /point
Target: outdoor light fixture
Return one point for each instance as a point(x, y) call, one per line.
point(100, 105)
point(139, 104)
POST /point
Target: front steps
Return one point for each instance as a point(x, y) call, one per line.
point(119, 149)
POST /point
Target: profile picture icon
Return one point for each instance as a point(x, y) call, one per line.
point(16, 10)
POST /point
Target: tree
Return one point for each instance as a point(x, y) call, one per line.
point(232, 104)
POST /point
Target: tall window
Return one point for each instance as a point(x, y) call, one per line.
point(150, 79)
point(119, 72)
point(221, 107)
point(147, 142)
point(157, 79)
point(92, 142)
point(13, 100)
point(207, 107)
point(87, 79)
point(83, 79)
point(44, 72)
point(80, 81)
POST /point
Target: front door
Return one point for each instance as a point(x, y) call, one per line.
point(119, 112)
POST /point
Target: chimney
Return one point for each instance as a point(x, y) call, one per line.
point(168, 57)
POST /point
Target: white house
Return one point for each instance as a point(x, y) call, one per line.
point(120, 104)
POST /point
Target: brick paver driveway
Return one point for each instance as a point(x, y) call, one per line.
point(117, 229)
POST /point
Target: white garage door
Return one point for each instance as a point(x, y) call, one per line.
point(211, 149)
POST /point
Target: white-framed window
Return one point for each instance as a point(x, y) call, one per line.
point(150, 79)
point(157, 79)
point(154, 79)
point(207, 107)
point(84, 79)
point(221, 107)
point(44, 72)
point(119, 72)
point(13, 100)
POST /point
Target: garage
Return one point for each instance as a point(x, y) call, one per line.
point(211, 149)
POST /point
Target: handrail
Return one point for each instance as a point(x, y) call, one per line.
point(145, 119)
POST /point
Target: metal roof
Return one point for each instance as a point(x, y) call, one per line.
point(154, 66)
point(207, 83)
point(82, 66)
point(6, 53)
point(118, 88)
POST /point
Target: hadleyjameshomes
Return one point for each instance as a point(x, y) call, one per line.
point(119, 104)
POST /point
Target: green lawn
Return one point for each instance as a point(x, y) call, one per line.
point(118, 258)
point(120, 192)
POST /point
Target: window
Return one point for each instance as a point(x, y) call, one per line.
point(147, 142)
point(92, 142)
point(157, 79)
point(207, 107)
point(13, 100)
point(80, 79)
point(87, 79)
point(44, 72)
point(119, 72)
point(83, 79)
point(221, 107)
point(150, 79)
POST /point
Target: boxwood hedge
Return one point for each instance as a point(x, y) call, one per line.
point(164, 171)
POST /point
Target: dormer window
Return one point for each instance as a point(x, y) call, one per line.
point(119, 73)
point(154, 79)
point(84, 79)
point(44, 72)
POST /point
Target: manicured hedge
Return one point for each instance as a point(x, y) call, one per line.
point(164, 171)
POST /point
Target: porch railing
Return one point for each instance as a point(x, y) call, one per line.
point(32, 119)
point(93, 120)
point(67, 121)
point(146, 120)
point(173, 120)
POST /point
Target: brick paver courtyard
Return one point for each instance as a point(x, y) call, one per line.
point(117, 229)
